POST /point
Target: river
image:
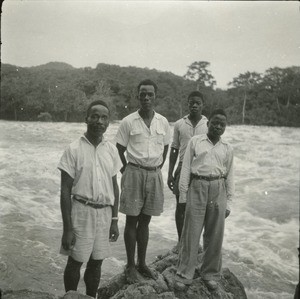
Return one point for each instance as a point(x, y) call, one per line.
point(261, 234)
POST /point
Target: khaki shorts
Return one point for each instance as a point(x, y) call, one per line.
point(91, 228)
point(141, 192)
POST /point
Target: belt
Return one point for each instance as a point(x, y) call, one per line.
point(208, 178)
point(90, 203)
point(149, 168)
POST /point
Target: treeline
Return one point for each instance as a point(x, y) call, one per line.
point(59, 92)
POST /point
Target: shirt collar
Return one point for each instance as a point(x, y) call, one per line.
point(104, 139)
point(187, 120)
point(137, 115)
point(205, 137)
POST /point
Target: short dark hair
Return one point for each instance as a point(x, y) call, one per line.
point(95, 103)
point(147, 82)
point(217, 111)
point(196, 93)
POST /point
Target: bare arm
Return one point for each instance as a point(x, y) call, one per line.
point(114, 230)
point(121, 150)
point(116, 195)
point(173, 155)
point(164, 155)
point(172, 162)
point(68, 238)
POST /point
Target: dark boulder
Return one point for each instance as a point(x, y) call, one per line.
point(163, 288)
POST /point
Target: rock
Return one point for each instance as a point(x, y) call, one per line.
point(30, 294)
point(26, 294)
point(75, 295)
point(163, 288)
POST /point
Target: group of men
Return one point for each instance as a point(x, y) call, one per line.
point(202, 183)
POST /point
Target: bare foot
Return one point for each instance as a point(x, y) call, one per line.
point(147, 272)
point(131, 275)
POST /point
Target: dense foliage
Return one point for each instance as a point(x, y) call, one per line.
point(58, 92)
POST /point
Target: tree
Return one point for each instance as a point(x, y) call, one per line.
point(246, 83)
point(273, 79)
point(13, 91)
point(272, 98)
point(198, 72)
point(67, 100)
point(291, 86)
point(283, 84)
point(104, 93)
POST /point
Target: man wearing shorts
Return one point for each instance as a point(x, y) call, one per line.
point(89, 200)
point(145, 136)
point(184, 129)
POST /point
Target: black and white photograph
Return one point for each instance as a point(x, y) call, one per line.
point(149, 149)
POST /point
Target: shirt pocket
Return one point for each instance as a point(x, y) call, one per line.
point(159, 139)
point(84, 169)
point(137, 139)
point(84, 162)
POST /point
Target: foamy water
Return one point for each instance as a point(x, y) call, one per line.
point(261, 237)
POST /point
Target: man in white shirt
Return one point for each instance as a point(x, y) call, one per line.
point(206, 185)
point(145, 136)
point(89, 200)
point(184, 129)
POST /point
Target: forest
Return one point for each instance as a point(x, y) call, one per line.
point(57, 91)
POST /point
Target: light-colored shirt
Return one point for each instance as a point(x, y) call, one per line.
point(144, 146)
point(92, 169)
point(184, 131)
point(204, 158)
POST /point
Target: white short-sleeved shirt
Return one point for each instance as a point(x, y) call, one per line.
point(92, 169)
point(184, 131)
point(145, 146)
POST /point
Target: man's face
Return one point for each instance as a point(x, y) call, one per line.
point(217, 125)
point(195, 105)
point(97, 120)
point(146, 97)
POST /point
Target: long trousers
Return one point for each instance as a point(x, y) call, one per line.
point(205, 209)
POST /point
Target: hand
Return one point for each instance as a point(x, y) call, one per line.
point(68, 240)
point(227, 213)
point(113, 232)
point(171, 182)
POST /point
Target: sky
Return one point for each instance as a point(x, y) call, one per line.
point(233, 36)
